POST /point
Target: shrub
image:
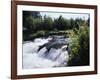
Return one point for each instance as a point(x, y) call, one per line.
point(84, 44)
point(79, 45)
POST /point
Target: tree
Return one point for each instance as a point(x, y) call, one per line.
point(72, 23)
point(61, 23)
point(47, 23)
point(77, 23)
point(28, 17)
point(88, 22)
point(36, 14)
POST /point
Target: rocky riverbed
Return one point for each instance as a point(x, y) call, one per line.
point(46, 52)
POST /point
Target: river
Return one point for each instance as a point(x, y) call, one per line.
point(45, 52)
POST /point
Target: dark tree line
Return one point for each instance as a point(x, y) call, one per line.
point(33, 21)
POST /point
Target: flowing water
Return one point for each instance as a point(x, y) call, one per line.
point(45, 52)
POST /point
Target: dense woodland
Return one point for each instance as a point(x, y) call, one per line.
point(35, 25)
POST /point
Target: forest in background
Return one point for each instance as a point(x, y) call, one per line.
point(34, 25)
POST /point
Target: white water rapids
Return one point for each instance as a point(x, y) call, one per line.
point(46, 56)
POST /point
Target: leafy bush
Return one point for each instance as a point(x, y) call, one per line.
point(79, 45)
point(84, 45)
point(75, 45)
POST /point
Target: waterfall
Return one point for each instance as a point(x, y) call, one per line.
point(53, 54)
point(42, 52)
point(30, 47)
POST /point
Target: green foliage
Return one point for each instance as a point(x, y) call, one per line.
point(74, 43)
point(39, 34)
point(29, 23)
point(36, 24)
point(28, 17)
point(79, 46)
point(84, 42)
point(32, 20)
point(44, 33)
point(62, 23)
point(47, 23)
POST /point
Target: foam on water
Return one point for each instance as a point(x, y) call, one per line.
point(32, 58)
